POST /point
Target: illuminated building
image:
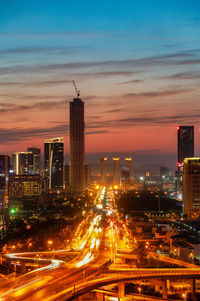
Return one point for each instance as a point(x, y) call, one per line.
point(103, 170)
point(185, 142)
point(36, 159)
point(22, 163)
point(77, 146)
point(116, 171)
point(191, 186)
point(4, 184)
point(25, 185)
point(54, 162)
point(129, 166)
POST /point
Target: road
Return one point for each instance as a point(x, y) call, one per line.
point(96, 242)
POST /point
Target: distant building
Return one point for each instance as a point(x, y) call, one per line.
point(25, 186)
point(185, 142)
point(129, 166)
point(164, 172)
point(116, 171)
point(77, 146)
point(191, 186)
point(36, 159)
point(87, 175)
point(103, 170)
point(22, 163)
point(54, 162)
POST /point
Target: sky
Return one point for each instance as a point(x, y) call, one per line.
point(136, 64)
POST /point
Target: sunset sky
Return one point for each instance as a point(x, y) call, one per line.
point(136, 64)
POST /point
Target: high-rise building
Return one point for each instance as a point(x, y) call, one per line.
point(103, 170)
point(54, 162)
point(185, 142)
point(77, 146)
point(129, 166)
point(116, 171)
point(36, 159)
point(22, 163)
point(191, 186)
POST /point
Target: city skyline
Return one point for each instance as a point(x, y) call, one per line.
point(135, 64)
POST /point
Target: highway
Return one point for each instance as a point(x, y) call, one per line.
point(96, 242)
point(95, 248)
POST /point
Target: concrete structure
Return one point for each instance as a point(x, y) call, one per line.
point(116, 171)
point(36, 159)
point(22, 163)
point(54, 162)
point(77, 146)
point(103, 170)
point(191, 186)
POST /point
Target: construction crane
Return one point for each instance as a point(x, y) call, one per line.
point(77, 91)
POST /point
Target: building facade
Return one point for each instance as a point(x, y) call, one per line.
point(54, 162)
point(191, 186)
point(77, 146)
point(25, 186)
point(22, 163)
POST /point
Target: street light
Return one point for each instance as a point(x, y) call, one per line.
point(50, 243)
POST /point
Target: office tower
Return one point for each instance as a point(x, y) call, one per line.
point(54, 162)
point(22, 163)
point(116, 171)
point(36, 159)
point(191, 186)
point(129, 166)
point(77, 146)
point(185, 142)
point(103, 170)
point(87, 175)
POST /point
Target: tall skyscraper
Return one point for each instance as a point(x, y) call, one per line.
point(54, 162)
point(116, 171)
point(36, 159)
point(77, 146)
point(103, 170)
point(185, 142)
point(191, 186)
point(22, 163)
